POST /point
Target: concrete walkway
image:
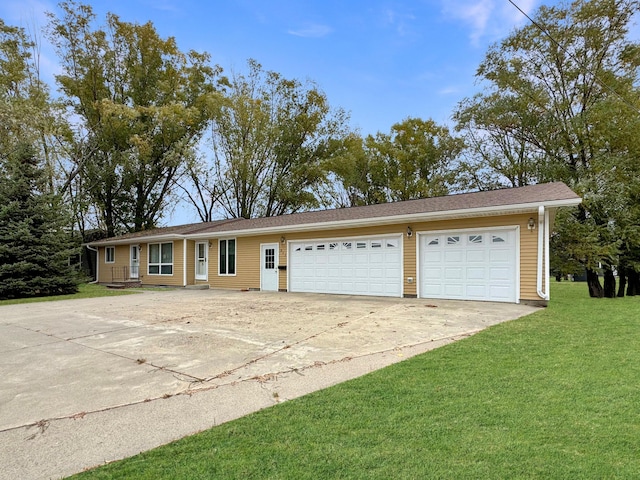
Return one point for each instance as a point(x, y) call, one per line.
point(86, 382)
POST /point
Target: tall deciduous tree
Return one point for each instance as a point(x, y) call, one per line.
point(35, 240)
point(416, 159)
point(556, 89)
point(268, 136)
point(142, 106)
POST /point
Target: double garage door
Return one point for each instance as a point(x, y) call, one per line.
point(353, 266)
point(460, 265)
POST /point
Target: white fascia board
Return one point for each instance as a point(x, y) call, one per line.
point(413, 217)
point(136, 240)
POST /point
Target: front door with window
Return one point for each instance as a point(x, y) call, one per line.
point(269, 267)
point(201, 260)
point(134, 268)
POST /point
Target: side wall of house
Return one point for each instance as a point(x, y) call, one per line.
point(248, 250)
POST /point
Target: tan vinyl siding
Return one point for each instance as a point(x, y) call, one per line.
point(248, 254)
point(191, 262)
point(247, 263)
point(113, 272)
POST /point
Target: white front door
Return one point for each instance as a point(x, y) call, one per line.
point(269, 267)
point(134, 269)
point(201, 260)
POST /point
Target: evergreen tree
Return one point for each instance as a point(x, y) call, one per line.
point(35, 246)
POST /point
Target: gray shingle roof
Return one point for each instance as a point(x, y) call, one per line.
point(546, 193)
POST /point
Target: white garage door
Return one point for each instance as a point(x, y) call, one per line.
point(472, 265)
point(354, 266)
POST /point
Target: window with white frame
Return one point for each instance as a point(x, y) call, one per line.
point(109, 254)
point(227, 256)
point(160, 259)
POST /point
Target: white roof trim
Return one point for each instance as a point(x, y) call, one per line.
point(413, 217)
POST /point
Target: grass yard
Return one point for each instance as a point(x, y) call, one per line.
point(85, 290)
point(552, 395)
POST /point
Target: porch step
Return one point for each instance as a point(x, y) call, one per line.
point(197, 287)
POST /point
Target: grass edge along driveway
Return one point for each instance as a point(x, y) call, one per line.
point(552, 395)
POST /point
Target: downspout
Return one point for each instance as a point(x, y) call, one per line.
point(184, 262)
point(89, 247)
point(543, 254)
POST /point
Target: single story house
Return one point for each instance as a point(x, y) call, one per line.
point(491, 245)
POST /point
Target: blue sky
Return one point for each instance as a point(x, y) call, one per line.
point(380, 60)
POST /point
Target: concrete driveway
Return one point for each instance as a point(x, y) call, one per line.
point(85, 382)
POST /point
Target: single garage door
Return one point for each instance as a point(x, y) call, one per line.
point(471, 265)
point(353, 266)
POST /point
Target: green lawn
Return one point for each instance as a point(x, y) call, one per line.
point(85, 291)
point(552, 395)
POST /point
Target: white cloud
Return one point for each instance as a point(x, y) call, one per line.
point(488, 20)
point(312, 31)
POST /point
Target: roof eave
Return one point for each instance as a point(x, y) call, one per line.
point(413, 217)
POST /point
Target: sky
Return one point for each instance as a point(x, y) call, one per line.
point(381, 61)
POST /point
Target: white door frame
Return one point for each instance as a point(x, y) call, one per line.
point(134, 268)
point(263, 247)
point(206, 260)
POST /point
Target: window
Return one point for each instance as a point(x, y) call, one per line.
point(320, 246)
point(346, 245)
point(475, 238)
point(376, 244)
point(435, 241)
point(308, 248)
point(497, 239)
point(453, 240)
point(361, 244)
point(227, 249)
point(109, 254)
point(333, 246)
point(392, 243)
point(160, 259)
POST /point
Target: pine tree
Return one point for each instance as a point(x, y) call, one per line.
point(35, 246)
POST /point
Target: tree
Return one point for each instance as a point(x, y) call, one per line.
point(415, 160)
point(35, 239)
point(563, 81)
point(142, 104)
point(269, 136)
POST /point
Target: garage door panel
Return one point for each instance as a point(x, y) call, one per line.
point(476, 273)
point(371, 266)
point(453, 256)
point(478, 265)
point(453, 273)
point(476, 256)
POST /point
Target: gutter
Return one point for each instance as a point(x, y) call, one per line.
point(543, 254)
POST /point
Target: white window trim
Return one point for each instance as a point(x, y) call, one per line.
point(160, 264)
point(106, 257)
point(235, 257)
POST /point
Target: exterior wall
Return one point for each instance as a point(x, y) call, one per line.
point(248, 254)
point(247, 262)
point(248, 251)
point(113, 272)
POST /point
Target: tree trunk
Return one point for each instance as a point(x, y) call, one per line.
point(633, 285)
point(609, 283)
point(593, 282)
point(623, 281)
